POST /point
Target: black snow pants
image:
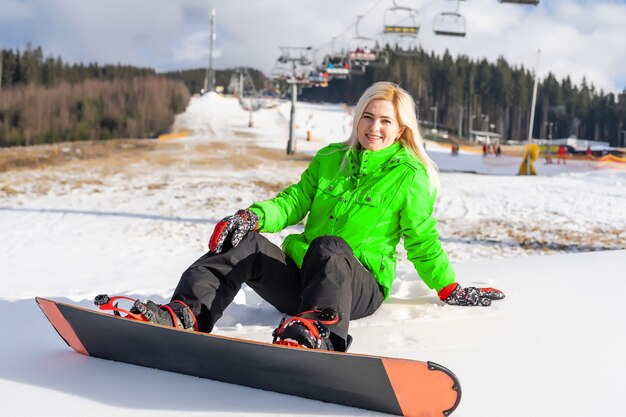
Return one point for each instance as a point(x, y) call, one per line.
point(331, 277)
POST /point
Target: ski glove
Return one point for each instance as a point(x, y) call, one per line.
point(456, 295)
point(235, 226)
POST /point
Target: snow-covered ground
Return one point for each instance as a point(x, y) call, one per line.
point(130, 224)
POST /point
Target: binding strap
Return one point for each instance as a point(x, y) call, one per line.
point(104, 302)
point(314, 320)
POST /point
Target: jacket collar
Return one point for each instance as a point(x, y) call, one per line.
point(363, 161)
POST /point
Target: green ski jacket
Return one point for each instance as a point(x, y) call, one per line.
point(370, 199)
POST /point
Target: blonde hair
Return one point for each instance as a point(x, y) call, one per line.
point(406, 114)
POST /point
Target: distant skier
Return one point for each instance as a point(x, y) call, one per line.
point(548, 155)
point(361, 196)
point(560, 154)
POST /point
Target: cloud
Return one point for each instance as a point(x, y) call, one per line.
point(14, 10)
point(135, 31)
point(195, 48)
point(576, 38)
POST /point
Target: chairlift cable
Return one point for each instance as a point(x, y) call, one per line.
point(374, 6)
point(347, 29)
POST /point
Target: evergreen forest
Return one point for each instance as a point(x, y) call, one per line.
point(479, 95)
point(45, 100)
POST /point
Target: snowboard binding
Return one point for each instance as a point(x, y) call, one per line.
point(308, 330)
point(175, 313)
point(106, 303)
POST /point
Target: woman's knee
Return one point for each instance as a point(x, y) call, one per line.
point(329, 245)
point(333, 243)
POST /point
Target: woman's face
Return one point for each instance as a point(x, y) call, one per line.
point(378, 127)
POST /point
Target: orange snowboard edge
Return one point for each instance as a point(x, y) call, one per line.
point(423, 389)
point(61, 325)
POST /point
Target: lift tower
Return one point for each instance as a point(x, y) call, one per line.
point(209, 78)
point(297, 57)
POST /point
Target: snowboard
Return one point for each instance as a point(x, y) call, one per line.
point(388, 385)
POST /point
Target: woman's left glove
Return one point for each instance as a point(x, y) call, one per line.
point(456, 295)
point(236, 226)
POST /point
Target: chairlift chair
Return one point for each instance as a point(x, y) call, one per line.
point(281, 71)
point(276, 75)
point(530, 2)
point(382, 60)
point(367, 54)
point(407, 46)
point(319, 78)
point(300, 78)
point(401, 28)
point(358, 68)
point(304, 60)
point(299, 55)
point(450, 23)
point(337, 66)
point(300, 82)
point(362, 49)
point(400, 20)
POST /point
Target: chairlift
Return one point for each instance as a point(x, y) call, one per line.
point(362, 49)
point(281, 71)
point(401, 28)
point(295, 55)
point(358, 68)
point(336, 66)
point(304, 58)
point(407, 46)
point(304, 61)
point(300, 80)
point(362, 54)
point(317, 73)
point(401, 20)
point(529, 2)
point(382, 60)
point(450, 23)
point(319, 78)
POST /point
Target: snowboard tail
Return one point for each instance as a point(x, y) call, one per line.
point(389, 385)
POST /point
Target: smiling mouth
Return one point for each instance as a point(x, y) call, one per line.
point(373, 137)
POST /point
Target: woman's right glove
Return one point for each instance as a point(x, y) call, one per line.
point(456, 295)
point(236, 226)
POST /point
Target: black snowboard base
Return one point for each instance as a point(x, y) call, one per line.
point(389, 385)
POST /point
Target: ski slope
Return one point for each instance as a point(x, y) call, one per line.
point(554, 346)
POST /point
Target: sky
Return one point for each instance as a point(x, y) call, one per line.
point(579, 38)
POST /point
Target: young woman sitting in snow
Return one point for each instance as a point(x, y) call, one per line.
point(360, 196)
